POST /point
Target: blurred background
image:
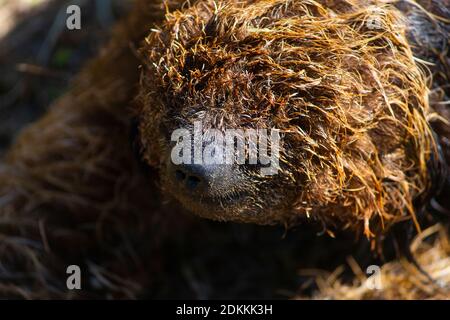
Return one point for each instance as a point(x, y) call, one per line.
point(39, 55)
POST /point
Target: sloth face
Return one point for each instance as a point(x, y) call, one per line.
point(217, 161)
point(347, 100)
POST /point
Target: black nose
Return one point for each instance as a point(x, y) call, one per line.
point(206, 179)
point(192, 176)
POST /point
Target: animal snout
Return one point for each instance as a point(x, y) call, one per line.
point(192, 176)
point(205, 181)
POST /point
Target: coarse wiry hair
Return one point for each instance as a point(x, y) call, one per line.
point(347, 95)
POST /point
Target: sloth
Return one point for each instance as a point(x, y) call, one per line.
point(356, 90)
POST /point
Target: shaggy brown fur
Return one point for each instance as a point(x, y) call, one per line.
point(351, 102)
point(356, 111)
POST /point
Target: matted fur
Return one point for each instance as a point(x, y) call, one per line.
point(350, 100)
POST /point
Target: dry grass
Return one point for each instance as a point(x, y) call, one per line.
point(399, 279)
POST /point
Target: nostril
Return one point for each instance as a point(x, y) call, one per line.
point(180, 175)
point(192, 182)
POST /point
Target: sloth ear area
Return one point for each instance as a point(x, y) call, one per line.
point(143, 162)
point(135, 143)
point(432, 201)
point(438, 203)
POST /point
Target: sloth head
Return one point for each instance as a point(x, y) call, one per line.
point(343, 94)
